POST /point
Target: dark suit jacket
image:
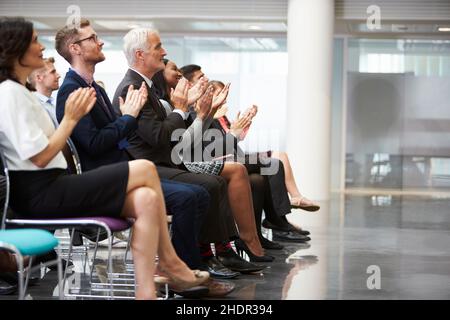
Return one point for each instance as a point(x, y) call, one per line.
point(227, 142)
point(153, 136)
point(97, 134)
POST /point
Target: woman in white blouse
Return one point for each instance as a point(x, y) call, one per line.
point(40, 185)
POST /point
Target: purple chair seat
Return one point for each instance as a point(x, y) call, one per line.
point(115, 224)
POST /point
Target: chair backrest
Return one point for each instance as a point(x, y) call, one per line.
point(74, 167)
point(72, 158)
point(4, 188)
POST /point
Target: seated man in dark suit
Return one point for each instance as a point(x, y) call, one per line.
point(101, 136)
point(144, 52)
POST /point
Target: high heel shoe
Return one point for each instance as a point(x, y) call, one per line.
point(270, 245)
point(242, 246)
point(180, 284)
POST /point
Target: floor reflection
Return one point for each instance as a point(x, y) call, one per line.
point(406, 237)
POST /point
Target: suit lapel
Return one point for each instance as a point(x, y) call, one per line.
point(152, 98)
point(98, 107)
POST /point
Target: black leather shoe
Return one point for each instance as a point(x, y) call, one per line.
point(232, 261)
point(269, 225)
point(7, 288)
point(288, 236)
point(217, 270)
point(49, 257)
point(270, 245)
point(89, 233)
point(12, 278)
point(241, 246)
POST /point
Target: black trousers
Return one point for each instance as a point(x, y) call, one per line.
point(218, 224)
point(276, 199)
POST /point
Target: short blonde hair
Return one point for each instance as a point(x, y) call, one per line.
point(35, 72)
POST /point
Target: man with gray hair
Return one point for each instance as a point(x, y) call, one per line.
point(102, 138)
point(145, 53)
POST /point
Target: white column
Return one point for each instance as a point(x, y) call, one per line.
point(310, 50)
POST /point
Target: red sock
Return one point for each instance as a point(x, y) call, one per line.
point(223, 247)
point(205, 250)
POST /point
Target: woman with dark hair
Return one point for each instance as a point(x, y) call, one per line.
point(40, 184)
point(239, 190)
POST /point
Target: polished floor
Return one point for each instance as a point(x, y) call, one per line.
point(362, 247)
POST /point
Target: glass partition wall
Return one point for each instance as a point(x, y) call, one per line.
point(392, 96)
point(398, 114)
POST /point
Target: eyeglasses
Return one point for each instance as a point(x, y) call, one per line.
point(93, 37)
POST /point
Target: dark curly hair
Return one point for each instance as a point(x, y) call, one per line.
point(15, 38)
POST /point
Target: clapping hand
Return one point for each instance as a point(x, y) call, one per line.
point(220, 98)
point(79, 103)
point(179, 95)
point(241, 123)
point(203, 106)
point(197, 90)
point(222, 111)
point(134, 101)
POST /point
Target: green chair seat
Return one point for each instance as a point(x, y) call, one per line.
point(29, 242)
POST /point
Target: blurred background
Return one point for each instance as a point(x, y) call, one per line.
point(389, 99)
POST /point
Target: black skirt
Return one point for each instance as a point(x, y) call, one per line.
point(55, 194)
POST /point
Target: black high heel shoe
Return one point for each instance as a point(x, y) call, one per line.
point(242, 246)
point(270, 245)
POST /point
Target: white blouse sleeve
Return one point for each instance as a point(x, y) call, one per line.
point(19, 124)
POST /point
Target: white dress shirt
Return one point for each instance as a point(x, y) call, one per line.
point(48, 103)
point(25, 128)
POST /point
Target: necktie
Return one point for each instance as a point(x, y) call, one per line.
point(101, 101)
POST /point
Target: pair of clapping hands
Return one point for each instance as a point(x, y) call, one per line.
point(206, 103)
point(242, 122)
point(81, 101)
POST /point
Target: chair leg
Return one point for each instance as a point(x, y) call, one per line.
point(27, 277)
point(60, 284)
point(128, 247)
point(69, 255)
point(110, 275)
point(19, 261)
point(94, 256)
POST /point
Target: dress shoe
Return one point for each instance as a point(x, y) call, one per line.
point(7, 288)
point(289, 236)
point(12, 278)
point(196, 292)
point(180, 284)
point(219, 289)
point(89, 233)
point(269, 225)
point(270, 245)
point(51, 256)
point(241, 246)
point(217, 270)
point(232, 261)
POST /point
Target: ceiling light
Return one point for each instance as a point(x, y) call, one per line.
point(254, 27)
point(444, 29)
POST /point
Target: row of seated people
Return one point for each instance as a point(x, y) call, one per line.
point(131, 165)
